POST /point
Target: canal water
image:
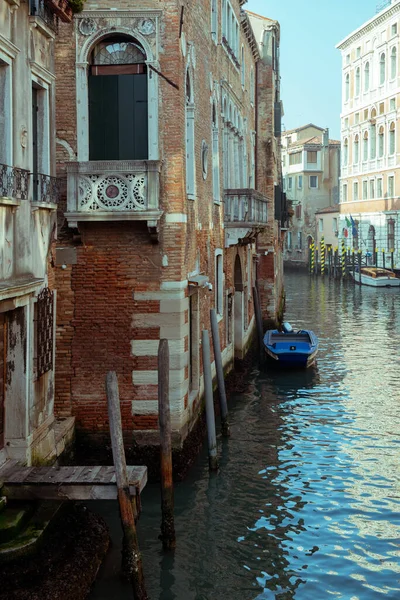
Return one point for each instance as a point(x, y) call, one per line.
point(306, 504)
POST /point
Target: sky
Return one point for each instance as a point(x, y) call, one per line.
point(310, 63)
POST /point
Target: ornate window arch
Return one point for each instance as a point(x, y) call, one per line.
point(345, 152)
point(382, 68)
point(366, 77)
point(84, 65)
point(358, 79)
point(381, 141)
point(392, 138)
point(365, 146)
point(356, 155)
point(393, 63)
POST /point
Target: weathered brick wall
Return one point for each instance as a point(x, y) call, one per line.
point(126, 293)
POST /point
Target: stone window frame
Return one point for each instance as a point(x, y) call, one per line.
point(82, 86)
point(8, 53)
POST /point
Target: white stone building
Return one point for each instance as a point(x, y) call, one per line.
point(28, 196)
point(310, 167)
point(370, 181)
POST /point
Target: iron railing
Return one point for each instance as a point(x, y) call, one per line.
point(14, 182)
point(46, 189)
point(243, 207)
point(39, 8)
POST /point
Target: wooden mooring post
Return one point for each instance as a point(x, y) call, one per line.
point(208, 392)
point(131, 558)
point(220, 374)
point(167, 536)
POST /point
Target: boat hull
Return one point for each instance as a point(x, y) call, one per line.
point(376, 281)
point(294, 349)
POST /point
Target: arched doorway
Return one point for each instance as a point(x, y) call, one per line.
point(118, 123)
point(239, 308)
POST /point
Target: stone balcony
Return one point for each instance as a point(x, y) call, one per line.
point(245, 214)
point(121, 190)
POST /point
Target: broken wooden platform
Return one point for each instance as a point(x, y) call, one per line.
point(66, 483)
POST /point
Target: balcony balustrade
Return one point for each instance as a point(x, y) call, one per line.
point(14, 183)
point(46, 189)
point(114, 191)
point(245, 208)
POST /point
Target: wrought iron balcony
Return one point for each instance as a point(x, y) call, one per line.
point(245, 208)
point(46, 189)
point(14, 183)
point(44, 10)
point(114, 191)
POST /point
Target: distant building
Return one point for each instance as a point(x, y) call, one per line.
point(311, 170)
point(370, 182)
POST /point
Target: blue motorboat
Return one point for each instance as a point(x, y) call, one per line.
point(291, 348)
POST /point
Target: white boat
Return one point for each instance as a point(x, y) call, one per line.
point(376, 277)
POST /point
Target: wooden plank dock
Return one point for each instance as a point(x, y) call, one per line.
point(66, 483)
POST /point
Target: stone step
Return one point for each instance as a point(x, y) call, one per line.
point(13, 519)
point(26, 542)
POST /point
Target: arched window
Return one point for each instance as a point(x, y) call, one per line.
point(392, 139)
point(365, 146)
point(358, 81)
point(382, 69)
point(372, 153)
point(366, 77)
point(347, 87)
point(381, 141)
point(356, 156)
point(215, 154)
point(190, 145)
point(118, 128)
point(345, 152)
point(242, 67)
point(393, 63)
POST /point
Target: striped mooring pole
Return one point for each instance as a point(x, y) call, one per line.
point(383, 258)
point(343, 259)
point(312, 257)
point(322, 256)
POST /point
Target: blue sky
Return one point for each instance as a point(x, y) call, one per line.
point(310, 63)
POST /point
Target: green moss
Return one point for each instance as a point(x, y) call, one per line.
point(77, 5)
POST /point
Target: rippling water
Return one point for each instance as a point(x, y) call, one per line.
point(306, 502)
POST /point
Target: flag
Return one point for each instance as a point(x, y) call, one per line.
point(348, 222)
point(353, 223)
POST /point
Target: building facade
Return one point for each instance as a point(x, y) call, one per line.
point(311, 171)
point(370, 182)
point(157, 139)
point(29, 431)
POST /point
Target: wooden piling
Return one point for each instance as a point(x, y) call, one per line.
point(220, 373)
point(208, 392)
point(167, 536)
point(335, 258)
point(392, 258)
point(353, 264)
point(131, 558)
point(359, 265)
point(259, 325)
point(383, 258)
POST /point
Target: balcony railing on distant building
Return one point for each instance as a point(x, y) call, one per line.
point(14, 183)
point(245, 208)
point(46, 189)
point(43, 10)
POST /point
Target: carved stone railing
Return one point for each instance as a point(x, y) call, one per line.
point(45, 189)
point(245, 208)
point(113, 191)
point(14, 183)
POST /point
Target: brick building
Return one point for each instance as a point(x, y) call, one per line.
point(167, 140)
point(29, 431)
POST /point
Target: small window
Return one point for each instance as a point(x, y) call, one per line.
point(347, 87)
point(344, 192)
point(358, 78)
point(366, 77)
point(311, 157)
point(381, 108)
point(300, 182)
point(366, 114)
point(313, 181)
point(393, 63)
point(299, 240)
point(391, 186)
point(289, 240)
point(358, 52)
point(392, 139)
point(295, 158)
point(365, 190)
point(356, 118)
point(335, 225)
point(372, 189)
point(355, 190)
point(290, 181)
point(379, 188)
point(382, 69)
point(394, 29)
point(392, 103)
point(298, 211)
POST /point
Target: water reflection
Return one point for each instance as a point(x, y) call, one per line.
point(306, 503)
